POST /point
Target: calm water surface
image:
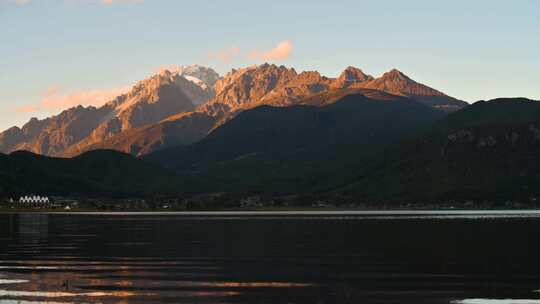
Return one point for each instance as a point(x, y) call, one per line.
point(318, 258)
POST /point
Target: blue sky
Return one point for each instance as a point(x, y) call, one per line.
point(54, 49)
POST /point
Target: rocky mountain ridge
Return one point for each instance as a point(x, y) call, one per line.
point(184, 104)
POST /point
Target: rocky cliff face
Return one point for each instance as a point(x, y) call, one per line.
point(280, 86)
point(244, 86)
point(54, 134)
point(148, 102)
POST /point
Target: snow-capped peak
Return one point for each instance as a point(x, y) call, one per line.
point(196, 74)
point(196, 81)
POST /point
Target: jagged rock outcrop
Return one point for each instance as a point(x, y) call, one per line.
point(244, 86)
point(351, 76)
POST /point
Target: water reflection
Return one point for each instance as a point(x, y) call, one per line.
point(271, 259)
point(8, 281)
point(33, 228)
point(60, 294)
point(6, 227)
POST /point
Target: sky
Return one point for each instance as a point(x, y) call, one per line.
point(55, 54)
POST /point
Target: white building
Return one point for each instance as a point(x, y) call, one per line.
point(34, 201)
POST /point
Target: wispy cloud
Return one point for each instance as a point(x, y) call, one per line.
point(281, 52)
point(226, 55)
point(27, 109)
point(53, 99)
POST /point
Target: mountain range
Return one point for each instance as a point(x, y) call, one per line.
point(182, 106)
point(271, 131)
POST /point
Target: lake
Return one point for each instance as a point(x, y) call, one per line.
point(464, 257)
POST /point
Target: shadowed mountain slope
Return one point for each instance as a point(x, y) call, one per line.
point(487, 151)
point(93, 174)
point(297, 148)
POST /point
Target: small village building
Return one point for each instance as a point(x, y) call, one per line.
point(34, 201)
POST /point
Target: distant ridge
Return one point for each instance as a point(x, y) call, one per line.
point(101, 173)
